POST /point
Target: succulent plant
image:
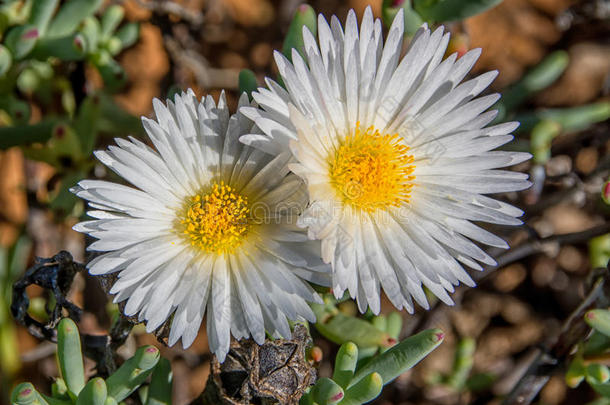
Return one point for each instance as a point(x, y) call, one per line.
point(73, 388)
point(355, 383)
point(44, 46)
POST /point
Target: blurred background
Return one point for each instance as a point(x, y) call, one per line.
point(69, 99)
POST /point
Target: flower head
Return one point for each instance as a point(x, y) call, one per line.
point(208, 228)
point(398, 154)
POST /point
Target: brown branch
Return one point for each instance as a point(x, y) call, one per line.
point(549, 360)
point(542, 245)
point(195, 18)
point(430, 318)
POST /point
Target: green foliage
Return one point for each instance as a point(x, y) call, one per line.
point(133, 373)
point(304, 16)
point(412, 19)
point(12, 261)
point(368, 357)
point(69, 356)
point(372, 335)
point(247, 82)
point(589, 360)
point(44, 42)
point(73, 389)
point(538, 78)
point(599, 250)
point(546, 125)
point(354, 384)
point(160, 390)
point(606, 192)
point(433, 11)
point(451, 10)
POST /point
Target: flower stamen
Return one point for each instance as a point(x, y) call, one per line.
point(372, 171)
point(216, 222)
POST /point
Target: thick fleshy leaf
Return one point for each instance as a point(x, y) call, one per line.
point(342, 328)
point(69, 355)
point(599, 319)
point(304, 16)
point(94, 393)
point(160, 389)
point(401, 357)
point(345, 364)
point(365, 390)
point(452, 10)
point(132, 373)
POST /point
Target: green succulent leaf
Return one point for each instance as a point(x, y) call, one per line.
point(365, 390)
point(94, 393)
point(327, 392)
point(41, 13)
point(538, 78)
point(599, 247)
point(70, 15)
point(69, 48)
point(597, 373)
point(341, 328)
point(160, 389)
point(401, 357)
point(132, 373)
point(247, 82)
point(59, 389)
point(599, 319)
point(542, 137)
point(110, 401)
point(462, 364)
point(25, 394)
point(69, 355)
point(112, 17)
point(6, 60)
point(452, 10)
point(602, 389)
point(86, 123)
point(394, 324)
point(345, 364)
point(128, 34)
point(20, 40)
point(412, 20)
point(112, 73)
point(304, 16)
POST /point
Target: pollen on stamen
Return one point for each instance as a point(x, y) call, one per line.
point(372, 171)
point(216, 221)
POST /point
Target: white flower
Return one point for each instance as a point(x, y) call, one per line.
point(397, 155)
point(211, 226)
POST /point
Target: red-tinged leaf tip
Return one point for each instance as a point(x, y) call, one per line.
point(302, 8)
point(392, 341)
point(606, 192)
point(60, 131)
point(397, 3)
point(25, 392)
point(590, 315)
point(152, 349)
point(439, 336)
point(337, 397)
point(78, 43)
point(30, 34)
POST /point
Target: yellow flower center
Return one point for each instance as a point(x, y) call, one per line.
point(216, 222)
point(372, 171)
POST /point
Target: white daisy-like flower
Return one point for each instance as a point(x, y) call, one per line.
point(210, 227)
point(397, 154)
